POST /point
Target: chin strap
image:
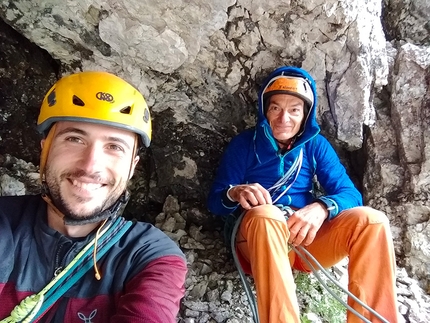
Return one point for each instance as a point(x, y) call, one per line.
point(45, 151)
point(48, 200)
point(112, 213)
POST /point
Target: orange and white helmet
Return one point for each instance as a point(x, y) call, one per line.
point(293, 85)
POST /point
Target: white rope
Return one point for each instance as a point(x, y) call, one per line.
point(379, 316)
point(295, 167)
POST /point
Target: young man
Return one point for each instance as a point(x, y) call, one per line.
point(69, 247)
point(270, 168)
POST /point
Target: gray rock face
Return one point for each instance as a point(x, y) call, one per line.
point(398, 181)
point(26, 72)
point(223, 45)
point(199, 65)
point(407, 20)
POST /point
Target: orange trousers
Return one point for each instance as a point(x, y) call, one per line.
point(360, 233)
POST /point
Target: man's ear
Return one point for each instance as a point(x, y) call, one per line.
point(135, 161)
point(42, 143)
point(133, 166)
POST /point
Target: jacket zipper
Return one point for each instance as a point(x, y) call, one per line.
point(59, 259)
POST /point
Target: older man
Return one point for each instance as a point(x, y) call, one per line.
point(270, 169)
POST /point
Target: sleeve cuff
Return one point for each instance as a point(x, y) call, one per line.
point(228, 195)
point(227, 200)
point(331, 206)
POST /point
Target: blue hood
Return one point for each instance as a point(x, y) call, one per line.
point(311, 128)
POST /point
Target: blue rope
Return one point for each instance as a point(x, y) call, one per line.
point(108, 240)
point(248, 291)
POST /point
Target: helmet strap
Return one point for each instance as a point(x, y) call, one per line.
point(114, 211)
point(45, 151)
point(48, 200)
point(133, 156)
point(110, 213)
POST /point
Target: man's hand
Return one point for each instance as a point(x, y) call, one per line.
point(305, 223)
point(250, 195)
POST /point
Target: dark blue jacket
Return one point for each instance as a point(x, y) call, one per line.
point(254, 156)
point(142, 280)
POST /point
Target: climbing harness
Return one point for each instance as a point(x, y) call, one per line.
point(300, 251)
point(34, 306)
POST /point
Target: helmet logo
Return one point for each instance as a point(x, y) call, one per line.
point(52, 98)
point(103, 96)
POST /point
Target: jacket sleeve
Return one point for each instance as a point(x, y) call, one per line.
point(154, 294)
point(231, 172)
point(341, 194)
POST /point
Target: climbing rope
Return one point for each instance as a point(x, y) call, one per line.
point(294, 169)
point(298, 250)
point(246, 286)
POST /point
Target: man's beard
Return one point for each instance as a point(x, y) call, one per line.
point(99, 213)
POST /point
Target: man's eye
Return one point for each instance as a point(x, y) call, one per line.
point(74, 139)
point(115, 148)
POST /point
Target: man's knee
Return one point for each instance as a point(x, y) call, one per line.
point(266, 211)
point(364, 215)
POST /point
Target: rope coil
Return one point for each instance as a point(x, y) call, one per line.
point(25, 310)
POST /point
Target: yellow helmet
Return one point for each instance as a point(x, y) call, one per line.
point(96, 97)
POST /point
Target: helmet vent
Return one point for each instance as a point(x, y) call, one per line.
point(77, 101)
point(126, 110)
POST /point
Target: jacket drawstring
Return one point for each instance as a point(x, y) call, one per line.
point(96, 269)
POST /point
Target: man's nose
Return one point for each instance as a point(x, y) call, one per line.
point(91, 159)
point(284, 115)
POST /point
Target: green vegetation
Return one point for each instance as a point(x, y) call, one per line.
point(314, 298)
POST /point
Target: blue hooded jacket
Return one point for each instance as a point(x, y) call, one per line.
point(254, 156)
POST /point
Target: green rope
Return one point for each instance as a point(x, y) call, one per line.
point(28, 307)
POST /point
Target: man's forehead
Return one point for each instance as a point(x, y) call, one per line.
point(90, 128)
point(285, 97)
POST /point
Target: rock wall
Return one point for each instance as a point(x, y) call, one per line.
point(199, 65)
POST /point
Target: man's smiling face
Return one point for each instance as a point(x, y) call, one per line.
point(285, 114)
point(88, 167)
